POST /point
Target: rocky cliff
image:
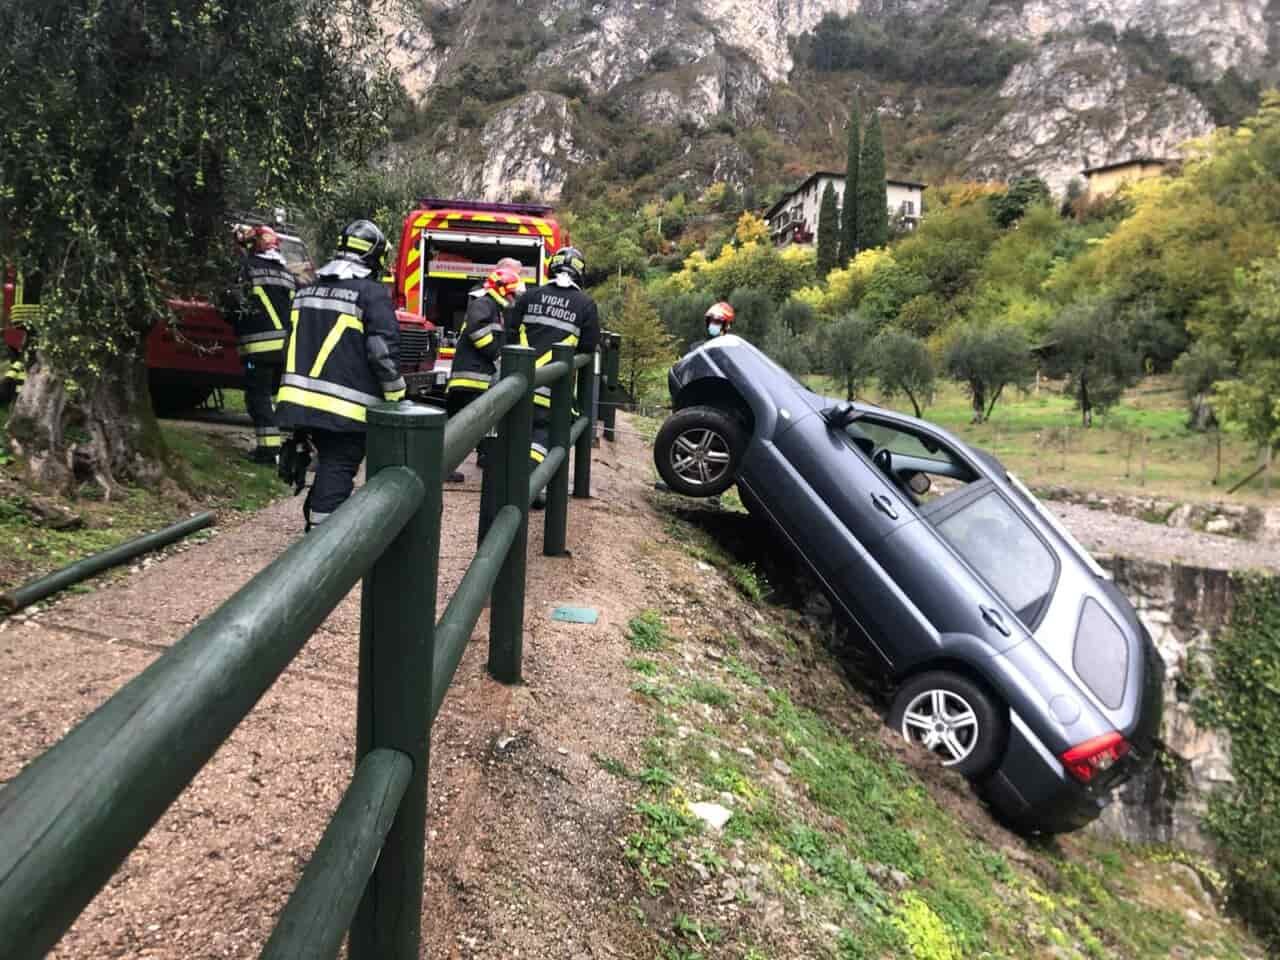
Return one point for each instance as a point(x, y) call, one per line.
point(519, 96)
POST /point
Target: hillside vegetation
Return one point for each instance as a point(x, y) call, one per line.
point(998, 286)
point(867, 850)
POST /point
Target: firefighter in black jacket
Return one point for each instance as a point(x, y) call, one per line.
point(342, 356)
point(475, 364)
point(266, 289)
point(557, 312)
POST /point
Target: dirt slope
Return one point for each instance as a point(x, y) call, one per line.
point(559, 819)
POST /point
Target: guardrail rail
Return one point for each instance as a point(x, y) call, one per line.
point(73, 814)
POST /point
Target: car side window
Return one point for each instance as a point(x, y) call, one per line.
point(912, 456)
point(997, 542)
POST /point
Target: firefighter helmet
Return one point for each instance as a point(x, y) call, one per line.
point(719, 315)
point(362, 242)
point(503, 283)
point(264, 239)
point(568, 260)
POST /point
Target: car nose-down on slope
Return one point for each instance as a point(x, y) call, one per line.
point(1012, 656)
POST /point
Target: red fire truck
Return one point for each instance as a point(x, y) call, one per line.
point(446, 248)
point(192, 352)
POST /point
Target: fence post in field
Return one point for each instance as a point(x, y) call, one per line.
point(612, 364)
point(557, 518)
point(1142, 476)
point(511, 486)
point(397, 647)
point(582, 451)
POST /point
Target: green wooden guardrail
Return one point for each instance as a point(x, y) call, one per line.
point(74, 813)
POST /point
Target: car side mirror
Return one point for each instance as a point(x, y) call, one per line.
point(841, 416)
point(919, 483)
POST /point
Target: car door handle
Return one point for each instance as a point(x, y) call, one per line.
point(994, 617)
point(884, 505)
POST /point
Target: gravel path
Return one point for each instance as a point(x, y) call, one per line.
point(1111, 533)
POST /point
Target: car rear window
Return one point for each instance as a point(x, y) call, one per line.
point(1000, 546)
point(1101, 654)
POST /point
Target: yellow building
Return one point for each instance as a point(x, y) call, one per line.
point(1106, 180)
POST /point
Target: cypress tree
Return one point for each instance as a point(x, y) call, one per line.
point(873, 195)
point(828, 231)
point(849, 218)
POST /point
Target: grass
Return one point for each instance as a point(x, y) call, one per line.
point(1039, 436)
point(863, 858)
point(209, 464)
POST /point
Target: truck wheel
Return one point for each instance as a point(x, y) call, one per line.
point(698, 451)
point(952, 717)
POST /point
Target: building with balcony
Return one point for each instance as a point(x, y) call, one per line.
point(794, 218)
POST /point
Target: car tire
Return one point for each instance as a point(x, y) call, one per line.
point(698, 451)
point(953, 717)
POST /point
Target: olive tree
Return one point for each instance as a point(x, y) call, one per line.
point(1091, 350)
point(903, 365)
point(846, 351)
point(130, 131)
point(986, 360)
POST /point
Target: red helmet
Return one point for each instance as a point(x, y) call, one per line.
point(503, 283)
point(721, 313)
point(264, 239)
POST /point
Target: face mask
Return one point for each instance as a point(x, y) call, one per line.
point(713, 329)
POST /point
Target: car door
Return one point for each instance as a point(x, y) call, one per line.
point(966, 559)
point(836, 508)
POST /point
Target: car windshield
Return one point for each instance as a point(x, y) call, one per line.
point(999, 545)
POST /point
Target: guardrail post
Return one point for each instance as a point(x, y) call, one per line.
point(582, 452)
point(557, 519)
point(511, 486)
point(397, 640)
point(612, 363)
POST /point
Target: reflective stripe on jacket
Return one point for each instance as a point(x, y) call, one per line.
point(551, 314)
point(267, 288)
point(342, 355)
point(475, 363)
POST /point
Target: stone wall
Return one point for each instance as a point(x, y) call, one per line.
point(1184, 608)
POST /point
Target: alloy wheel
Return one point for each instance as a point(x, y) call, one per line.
point(943, 723)
point(700, 456)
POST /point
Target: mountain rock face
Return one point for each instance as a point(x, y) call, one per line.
point(543, 88)
point(1078, 104)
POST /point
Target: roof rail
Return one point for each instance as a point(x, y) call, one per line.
point(528, 209)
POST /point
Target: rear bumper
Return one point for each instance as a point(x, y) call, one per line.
point(1033, 793)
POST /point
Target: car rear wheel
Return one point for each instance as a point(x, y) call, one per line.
point(953, 718)
point(698, 451)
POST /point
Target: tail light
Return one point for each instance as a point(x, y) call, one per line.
point(1086, 760)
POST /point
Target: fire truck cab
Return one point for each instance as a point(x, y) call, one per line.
point(447, 247)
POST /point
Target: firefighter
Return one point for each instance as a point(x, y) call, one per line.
point(557, 312)
point(718, 318)
point(342, 356)
point(475, 363)
point(266, 290)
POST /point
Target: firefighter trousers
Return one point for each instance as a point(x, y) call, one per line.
point(261, 382)
point(338, 457)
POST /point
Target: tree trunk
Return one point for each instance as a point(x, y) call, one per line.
point(978, 394)
point(848, 388)
point(994, 399)
point(1086, 409)
point(104, 430)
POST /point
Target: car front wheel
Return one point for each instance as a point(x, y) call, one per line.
point(953, 718)
point(698, 451)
